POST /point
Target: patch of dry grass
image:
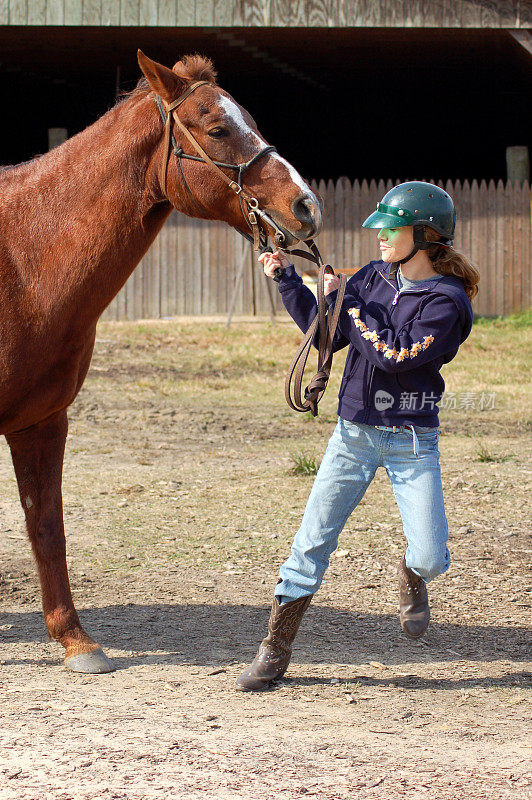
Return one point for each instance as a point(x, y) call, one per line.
point(195, 414)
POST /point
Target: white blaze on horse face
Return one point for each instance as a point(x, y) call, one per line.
point(232, 110)
point(295, 177)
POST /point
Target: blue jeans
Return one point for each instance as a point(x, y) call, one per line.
point(353, 454)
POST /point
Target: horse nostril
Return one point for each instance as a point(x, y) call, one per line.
point(305, 209)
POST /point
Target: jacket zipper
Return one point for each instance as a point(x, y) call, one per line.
point(394, 302)
point(409, 291)
point(369, 391)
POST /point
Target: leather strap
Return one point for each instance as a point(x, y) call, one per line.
point(324, 326)
point(170, 107)
point(229, 181)
point(252, 211)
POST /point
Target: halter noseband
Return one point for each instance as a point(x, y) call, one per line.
point(252, 213)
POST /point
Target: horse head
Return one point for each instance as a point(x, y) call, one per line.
point(228, 134)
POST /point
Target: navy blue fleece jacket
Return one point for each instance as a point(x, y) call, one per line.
point(397, 342)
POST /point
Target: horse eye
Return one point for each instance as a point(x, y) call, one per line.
point(217, 133)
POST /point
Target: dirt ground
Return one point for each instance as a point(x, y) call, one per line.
point(180, 506)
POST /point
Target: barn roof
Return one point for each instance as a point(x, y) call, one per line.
point(265, 13)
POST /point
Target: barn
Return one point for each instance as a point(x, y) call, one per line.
point(334, 84)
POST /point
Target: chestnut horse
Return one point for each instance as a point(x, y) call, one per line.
point(75, 222)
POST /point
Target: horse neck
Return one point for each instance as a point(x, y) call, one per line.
point(95, 208)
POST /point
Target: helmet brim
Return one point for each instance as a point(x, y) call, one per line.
point(381, 220)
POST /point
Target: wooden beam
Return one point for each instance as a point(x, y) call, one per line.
point(524, 38)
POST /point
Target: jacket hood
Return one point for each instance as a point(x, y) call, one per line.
point(449, 285)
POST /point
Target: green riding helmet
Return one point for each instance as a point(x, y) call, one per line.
point(418, 204)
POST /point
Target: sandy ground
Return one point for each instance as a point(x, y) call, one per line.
point(180, 506)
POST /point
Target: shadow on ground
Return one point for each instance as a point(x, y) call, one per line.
point(214, 635)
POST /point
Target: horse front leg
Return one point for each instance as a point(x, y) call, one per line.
point(37, 455)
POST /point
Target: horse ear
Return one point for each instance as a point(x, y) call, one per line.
point(162, 80)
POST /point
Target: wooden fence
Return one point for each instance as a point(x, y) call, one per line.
point(193, 265)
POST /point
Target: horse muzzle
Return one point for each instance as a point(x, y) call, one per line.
point(307, 212)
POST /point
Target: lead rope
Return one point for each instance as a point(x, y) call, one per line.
point(324, 328)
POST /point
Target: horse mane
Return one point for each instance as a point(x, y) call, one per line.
point(190, 68)
point(195, 68)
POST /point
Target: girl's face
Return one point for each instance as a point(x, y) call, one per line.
point(396, 243)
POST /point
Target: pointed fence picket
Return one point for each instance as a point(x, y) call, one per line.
point(192, 267)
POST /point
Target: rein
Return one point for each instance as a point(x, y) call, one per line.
point(325, 324)
point(323, 328)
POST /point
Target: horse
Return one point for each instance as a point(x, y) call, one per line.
point(75, 223)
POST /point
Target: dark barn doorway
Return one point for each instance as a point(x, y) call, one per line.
point(366, 103)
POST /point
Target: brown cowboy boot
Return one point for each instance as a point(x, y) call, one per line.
point(414, 611)
point(275, 650)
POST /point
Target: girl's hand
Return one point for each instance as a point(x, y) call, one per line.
point(330, 283)
point(273, 261)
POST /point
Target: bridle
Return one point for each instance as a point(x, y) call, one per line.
point(249, 205)
point(322, 330)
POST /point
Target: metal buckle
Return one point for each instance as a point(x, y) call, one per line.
point(235, 187)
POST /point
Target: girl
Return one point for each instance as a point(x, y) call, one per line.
point(403, 317)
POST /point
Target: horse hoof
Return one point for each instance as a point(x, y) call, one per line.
point(93, 663)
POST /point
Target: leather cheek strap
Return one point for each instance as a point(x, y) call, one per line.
point(170, 108)
point(170, 111)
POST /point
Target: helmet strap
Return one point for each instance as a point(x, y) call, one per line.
point(412, 254)
point(420, 243)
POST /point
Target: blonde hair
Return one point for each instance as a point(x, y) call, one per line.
point(447, 261)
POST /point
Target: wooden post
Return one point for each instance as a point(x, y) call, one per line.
point(241, 267)
point(271, 300)
point(518, 163)
point(56, 136)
